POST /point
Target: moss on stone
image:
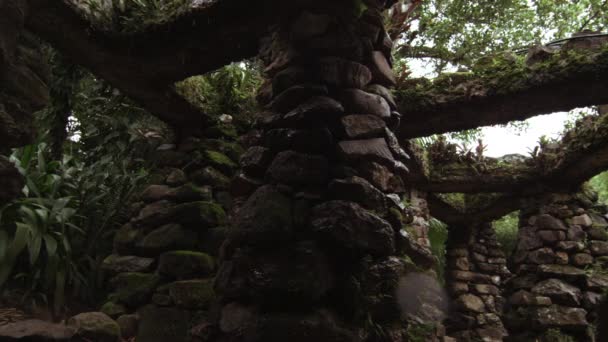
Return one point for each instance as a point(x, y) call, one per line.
point(113, 309)
point(219, 161)
point(222, 131)
point(202, 214)
point(192, 294)
point(133, 289)
point(185, 264)
point(211, 176)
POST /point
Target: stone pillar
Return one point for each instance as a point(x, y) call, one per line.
point(559, 266)
point(164, 261)
point(314, 253)
point(476, 269)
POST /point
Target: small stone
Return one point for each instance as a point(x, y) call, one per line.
point(357, 101)
point(542, 256)
point(343, 73)
point(582, 220)
point(486, 289)
point(255, 161)
point(155, 193)
point(95, 326)
point(596, 233)
point(192, 294)
point(469, 302)
point(291, 167)
point(461, 264)
point(266, 217)
point(362, 126)
point(382, 177)
point(568, 273)
point(591, 300)
point(296, 95)
point(559, 291)
point(525, 298)
point(596, 282)
point(177, 177)
point(457, 288)
point(570, 246)
point(356, 150)
point(385, 93)
point(115, 263)
point(598, 248)
point(576, 233)
point(561, 258)
point(359, 190)
point(351, 226)
point(548, 222)
point(551, 236)
point(185, 264)
point(381, 70)
point(315, 110)
point(582, 259)
point(168, 237)
point(560, 317)
point(113, 309)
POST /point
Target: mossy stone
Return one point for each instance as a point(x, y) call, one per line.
point(113, 309)
point(185, 264)
point(200, 214)
point(192, 294)
point(133, 289)
point(211, 176)
point(166, 238)
point(221, 131)
point(220, 161)
point(95, 326)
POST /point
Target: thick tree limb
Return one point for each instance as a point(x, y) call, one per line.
point(582, 154)
point(510, 91)
point(490, 211)
point(145, 65)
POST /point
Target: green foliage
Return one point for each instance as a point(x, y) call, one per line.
point(457, 32)
point(230, 90)
point(438, 236)
point(506, 229)
point(420, 332)
point(599, 183)
point(555, 335)
point(133, 15)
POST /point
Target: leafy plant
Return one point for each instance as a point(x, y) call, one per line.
point(506, 229)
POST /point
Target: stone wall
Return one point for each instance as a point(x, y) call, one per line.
point(161, 273)
point(559, 266)
point(475, 272)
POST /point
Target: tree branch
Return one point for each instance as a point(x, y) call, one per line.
point(507, 92)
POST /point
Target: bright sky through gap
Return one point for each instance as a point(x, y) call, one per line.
point(501, 141)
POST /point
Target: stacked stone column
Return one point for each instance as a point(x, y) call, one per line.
point(313, 250)
point(477, 269)
point(559, 265)
point(164, 261)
